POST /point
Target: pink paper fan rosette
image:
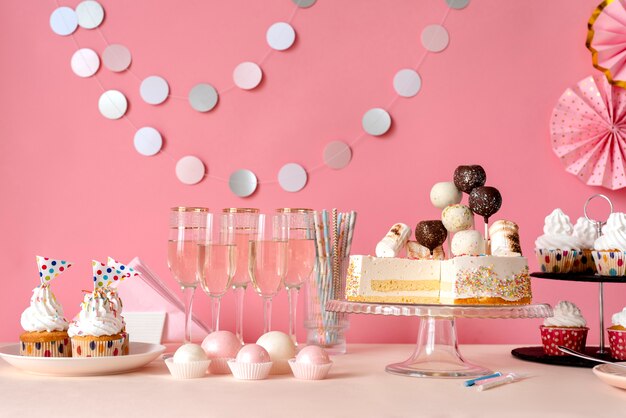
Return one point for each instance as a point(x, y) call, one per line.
point(588, 132)
point(606, 39)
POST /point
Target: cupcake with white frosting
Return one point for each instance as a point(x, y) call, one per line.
point(557, 249)
point(617, 335)
point(567, 328)
point(585, 231)
point(610, 249)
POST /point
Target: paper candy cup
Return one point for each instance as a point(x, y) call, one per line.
point(617, 343)
point(573, 338)
point(250, 371)
point(191, 370)
point(584, 264)
point(557, 261)
point(104, 346)
point(45, 344)
point(308, 371)
point(610, 263)
point(219, 365)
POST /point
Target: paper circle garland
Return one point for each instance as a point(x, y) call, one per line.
point(85, 62)
point(292, 177)
point(435, 38)
point(280, 36)
point(407, 82)
point(148, 141)
point(247, 75)
point(242, 183)
point(154, 90)
point(337, 155)
point(203, 97)
point(304, 3)
point(112, 104)
point(90, 14)
point(457, 4)
point(190, 170)
point(116, 58)
point(376, 121)
point(63, 21)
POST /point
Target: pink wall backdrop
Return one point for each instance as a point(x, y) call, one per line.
point(73, 187)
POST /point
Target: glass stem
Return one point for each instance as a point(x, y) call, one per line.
point(240, 293)
point(292, 295)
point(267, 315)
point(188, 292)
point(215, 313)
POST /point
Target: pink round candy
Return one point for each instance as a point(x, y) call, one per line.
point(253, 353)
point(312, 354)
point(221, 344)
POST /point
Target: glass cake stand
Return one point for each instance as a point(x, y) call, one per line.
point(437, 351)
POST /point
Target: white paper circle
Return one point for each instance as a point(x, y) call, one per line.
point(242, 183)
point(247, 75)
point(90, 14)
point(203, 97)
point(407, 82)
point(63, 21)
point(292, 177)
point(85, 62)
point(190, 169)
point(337, 155)
point(280, 36)
point(457, 4)
point(154, 90)
point(304, 3)
point(112, 104)
point(435, 38)
point(148, 141)
point(116, 58)
point(376, 121)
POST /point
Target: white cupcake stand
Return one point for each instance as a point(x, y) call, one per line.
point(437, 352)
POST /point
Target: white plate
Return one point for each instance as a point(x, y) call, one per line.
point(140, 355)
point(614, 376)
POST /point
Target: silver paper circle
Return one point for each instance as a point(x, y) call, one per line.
point(63, 21)
point(407, 82)
point(292, 177)
point(203, 97)
point(154, 90)
point(148, 141)
point(112, 104)
point(457, 4)
point(116, 58)
point(376, 121)
point(337, 155)
point(304, 3)
point(242, 183)
point(90, 14)
point(190, 169)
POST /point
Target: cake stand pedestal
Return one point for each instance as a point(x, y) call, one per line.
point(437, 352)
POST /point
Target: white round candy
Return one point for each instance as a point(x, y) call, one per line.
point(189, 352)
point(445, 194)
point(468, 242)
point(457, 218)
point(281, 349)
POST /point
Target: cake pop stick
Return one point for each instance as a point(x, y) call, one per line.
point(485, 201)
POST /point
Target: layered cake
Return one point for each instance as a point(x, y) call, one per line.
point(477, 271)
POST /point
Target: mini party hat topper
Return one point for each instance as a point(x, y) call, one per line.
point(50, 268)
point(122, 271)
point(103, 275)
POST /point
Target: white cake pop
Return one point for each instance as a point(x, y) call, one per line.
point(469, 242)
point(445, 194)
point(457, 218)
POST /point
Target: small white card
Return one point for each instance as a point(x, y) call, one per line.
point(145, 327)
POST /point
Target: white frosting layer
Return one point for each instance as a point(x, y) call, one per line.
point(614, 234)
point(585, 231)
point(97, 317)
point(619, 318)
point(44, 312)
point(557, 233)
point(566, 314)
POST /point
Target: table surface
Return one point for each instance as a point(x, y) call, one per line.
point(357, 386)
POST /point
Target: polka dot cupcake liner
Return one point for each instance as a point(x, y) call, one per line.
point(572, 338)
point(584, 264)
point(85, 347)
point(557, 261)
point(59, 348)
point(617, 343)
point(610, 263)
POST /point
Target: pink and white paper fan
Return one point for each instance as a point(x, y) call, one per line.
point(606, 39)
point(588, 131)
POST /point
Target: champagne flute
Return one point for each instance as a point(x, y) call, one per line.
point(217, 261)
point(187, 225)
point(267, 262)
point(301, 255)
point(245, 224)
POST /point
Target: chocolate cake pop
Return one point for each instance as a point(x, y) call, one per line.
point(468, 177)
point(485, 201)
point(431, 234)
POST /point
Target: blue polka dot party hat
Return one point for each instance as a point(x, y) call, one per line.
point(50, 268)
point(122, 269)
